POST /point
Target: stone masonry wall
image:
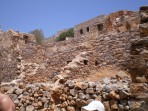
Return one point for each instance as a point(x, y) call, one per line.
point(20, 55)
point(103, 50)
point(70, 95)
point(120, 21)
point(76, 56)
point(139, 62)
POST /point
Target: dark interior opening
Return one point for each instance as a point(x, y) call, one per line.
point(85, 62)
point(81, 31)
point(100, 27)
point(96, 63)
point(87, 29)
point(26, 39)
point(68, 62)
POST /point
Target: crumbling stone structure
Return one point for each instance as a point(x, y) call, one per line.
point(88, 51)
point(97, 48)
point(102, 41)
point(139, 63)
point(120, 21)
point(19, 53)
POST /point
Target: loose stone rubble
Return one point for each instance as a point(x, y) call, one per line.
point(70, 95)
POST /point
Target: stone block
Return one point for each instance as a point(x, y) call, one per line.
point(107, 106)
point(113, 105)
point(123, 94)
point(143, 28)
point(139, 88)
point(74, 92)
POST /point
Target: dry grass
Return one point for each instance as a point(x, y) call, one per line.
point(104, 72)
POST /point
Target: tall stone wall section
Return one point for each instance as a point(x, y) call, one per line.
point(20, 55)
point(139, 60)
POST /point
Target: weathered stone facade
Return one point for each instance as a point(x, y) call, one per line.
point(88, 51)
point(111, 49)
point(102, 41)
point(120, 21)
point(18, 53)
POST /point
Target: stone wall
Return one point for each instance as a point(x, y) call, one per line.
point(139, 62)
point(78, 56)
point(120, 21)
point(70, 95)
point(103, 50)
point(19, 55)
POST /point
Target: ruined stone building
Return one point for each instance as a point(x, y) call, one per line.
point(105, 41)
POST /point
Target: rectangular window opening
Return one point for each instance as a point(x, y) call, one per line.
point(68, 62)
point(81, 31)
point(100, 27)
point(87, 29)
point(96, 63)
point(85, 62)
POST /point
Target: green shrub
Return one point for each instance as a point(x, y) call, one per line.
point(39, 36)
point(68, 33)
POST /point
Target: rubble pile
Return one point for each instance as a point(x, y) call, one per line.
point(71, 95)
point(30, 97)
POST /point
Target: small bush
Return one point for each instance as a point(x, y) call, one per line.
point(68, 33)
point(39, 36)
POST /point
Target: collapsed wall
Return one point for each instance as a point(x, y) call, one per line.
point(20, 55)
point(10, 52)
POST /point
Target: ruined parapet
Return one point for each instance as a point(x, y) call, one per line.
point(117, 22)
point(90, 27)
point(15, 48)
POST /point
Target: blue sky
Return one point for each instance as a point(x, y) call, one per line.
point(54, 15)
